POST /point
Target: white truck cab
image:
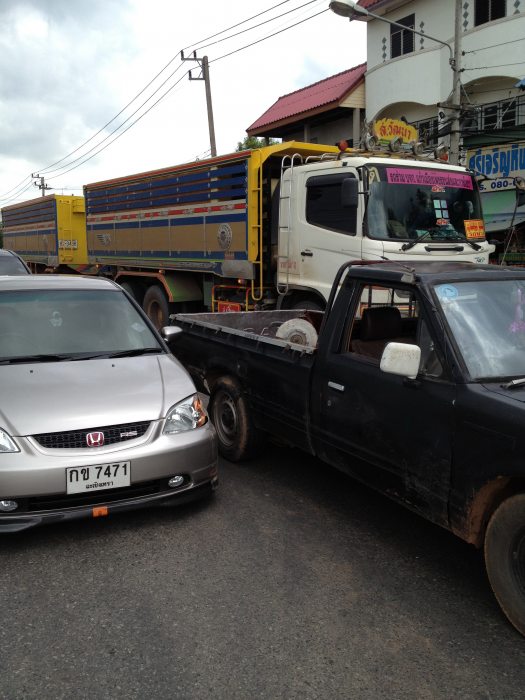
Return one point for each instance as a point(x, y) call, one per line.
point(373, 207)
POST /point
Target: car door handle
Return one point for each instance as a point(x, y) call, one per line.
point(336, 386)
point(307, 253)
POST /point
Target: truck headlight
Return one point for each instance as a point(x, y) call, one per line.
point(185, 415)
point(6, 443)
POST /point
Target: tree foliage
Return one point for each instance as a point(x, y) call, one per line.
point(250, 142)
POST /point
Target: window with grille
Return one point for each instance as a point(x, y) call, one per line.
point(488, 10)
point(402, 40)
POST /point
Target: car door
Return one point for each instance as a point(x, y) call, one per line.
point(391, 432)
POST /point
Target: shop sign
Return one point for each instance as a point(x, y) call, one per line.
point(497, 166)
point(385, 130)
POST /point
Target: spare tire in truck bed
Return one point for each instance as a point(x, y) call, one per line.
point(299, 331)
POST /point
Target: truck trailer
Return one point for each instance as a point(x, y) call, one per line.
point(49, 233)
point(268, 228)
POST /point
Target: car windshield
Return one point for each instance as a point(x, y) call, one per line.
point(11, 265)
point(70, 324)
point(487, 320)
point(409, 203)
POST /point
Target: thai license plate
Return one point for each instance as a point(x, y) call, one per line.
point(98, 477)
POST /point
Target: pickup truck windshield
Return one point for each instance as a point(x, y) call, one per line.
point(408, 203)
point(487, 320)
point(45, 325)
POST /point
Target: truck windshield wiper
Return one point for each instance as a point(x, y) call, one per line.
point(35, 358)
point(514, 383)
point(411, 244)
point(443, 238)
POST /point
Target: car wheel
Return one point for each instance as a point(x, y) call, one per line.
point(505, 558)
point(237, 436)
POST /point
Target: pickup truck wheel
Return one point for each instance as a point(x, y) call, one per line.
point(505, 558)
point(156, 306)
point(238, 437)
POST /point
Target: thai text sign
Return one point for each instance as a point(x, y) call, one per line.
point(500, 164)
point(430, 178)
point(387, 129)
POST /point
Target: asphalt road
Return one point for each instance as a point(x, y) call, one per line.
point(292, 582)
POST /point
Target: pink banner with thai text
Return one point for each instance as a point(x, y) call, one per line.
point(413, 176)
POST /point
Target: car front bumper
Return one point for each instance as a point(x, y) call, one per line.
point(36, 478)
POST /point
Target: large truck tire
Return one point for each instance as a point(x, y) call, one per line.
point(156, 306)
point(238, 438)
point(505, 558)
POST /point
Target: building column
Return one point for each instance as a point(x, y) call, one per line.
point(356, 127)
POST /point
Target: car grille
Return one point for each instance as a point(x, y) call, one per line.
point(76, 439)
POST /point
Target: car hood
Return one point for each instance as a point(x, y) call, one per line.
point(59, 396)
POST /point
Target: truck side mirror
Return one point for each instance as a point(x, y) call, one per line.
point(401, 359)
point(349, 192)
point(520, 191)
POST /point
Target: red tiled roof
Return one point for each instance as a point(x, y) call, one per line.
point(329, 91)
point(367, 4)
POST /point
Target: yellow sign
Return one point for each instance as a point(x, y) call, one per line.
point(475, 228)
point(387, 129)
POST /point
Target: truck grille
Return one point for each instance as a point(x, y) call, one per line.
point(76, 439)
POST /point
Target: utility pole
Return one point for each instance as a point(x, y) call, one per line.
point(42, 186)
point(205, 75)
point(455, 133)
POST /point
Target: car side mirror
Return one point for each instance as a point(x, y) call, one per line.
point(169, 333)
point(401, 359)
point(349, 192)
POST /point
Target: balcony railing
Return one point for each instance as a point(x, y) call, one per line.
point(476, 119)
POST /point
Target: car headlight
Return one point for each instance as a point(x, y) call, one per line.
point(6, 443)
point(185, 415)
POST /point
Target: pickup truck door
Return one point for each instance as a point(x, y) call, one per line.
point(392, 433)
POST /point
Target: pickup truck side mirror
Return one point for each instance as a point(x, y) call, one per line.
point(402, 359)
point(349, 192)
point(169, 333)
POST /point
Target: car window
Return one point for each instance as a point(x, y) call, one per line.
point(70, 321)
point(389, 314)
point(11, 265)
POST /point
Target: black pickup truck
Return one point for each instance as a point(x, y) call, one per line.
point(412, 380)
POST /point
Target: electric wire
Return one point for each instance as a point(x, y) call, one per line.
point(121, 133)
point(81, 159)
point(493, 46)
point(21, 188)
point(234, 26)
point(253, 43)
point(255, 26)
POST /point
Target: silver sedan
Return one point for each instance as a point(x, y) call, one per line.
point(96, 415)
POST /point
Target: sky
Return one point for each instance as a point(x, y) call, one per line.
point(73, 71)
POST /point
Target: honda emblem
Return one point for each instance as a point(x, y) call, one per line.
point(95, 439)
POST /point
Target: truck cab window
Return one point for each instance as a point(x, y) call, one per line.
point(385, 315)
point(324, 204)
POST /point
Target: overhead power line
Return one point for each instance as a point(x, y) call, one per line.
point(100, 146)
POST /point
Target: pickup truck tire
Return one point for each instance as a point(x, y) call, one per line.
point(237, 436)
point(156, 306)
point(505, 558)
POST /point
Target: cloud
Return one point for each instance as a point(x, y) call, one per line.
point(67, 67)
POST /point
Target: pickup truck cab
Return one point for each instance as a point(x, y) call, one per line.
point(412, 381)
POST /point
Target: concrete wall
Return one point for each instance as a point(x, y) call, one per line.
point(425, 76)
